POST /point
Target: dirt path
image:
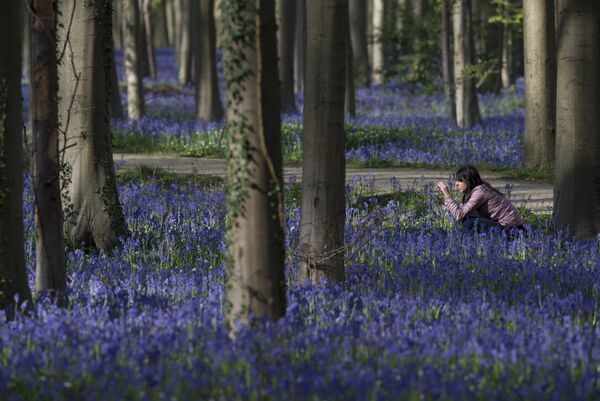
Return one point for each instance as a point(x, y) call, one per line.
point(535, 195)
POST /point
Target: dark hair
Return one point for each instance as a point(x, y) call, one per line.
point(470, 176)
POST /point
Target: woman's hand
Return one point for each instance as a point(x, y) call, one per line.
point(443, 188)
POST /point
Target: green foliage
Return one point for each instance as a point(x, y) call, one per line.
point(413, 49)
point(508, 13)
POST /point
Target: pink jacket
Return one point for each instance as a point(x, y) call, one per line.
point(487, 203)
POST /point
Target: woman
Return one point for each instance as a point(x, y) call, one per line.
point(482, 206)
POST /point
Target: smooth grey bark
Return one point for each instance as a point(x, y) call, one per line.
point(184, 9)
point(116, 106)
point(300, 45)
point(577, 165)
point(117, 32)
point(540, 83)
point(161, 39)
point(255, 234)
point(13, 277)
point(132, 61)
point(378, 53)
point(171, 30)
point(50, 273)
point(148, 32)
point(350, 93)
point(323, 167)
point(93, 212)
point(358, 35)
point(447, 61)
point(467, 107)
point(506, 62)
point(208, 101)
point(286, 40)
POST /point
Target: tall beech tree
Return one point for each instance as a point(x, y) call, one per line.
point(358, 34)
point(287, 32)
point(13, 278)
point(183, 43)
point(93, 212)
point(208, 101)
point(577, 165)
point(50, 276)
point(540, 82)
point(148, 32)
point(323, 167)
point(300, 45)
point(467, 107)
point(445, 36)
point(132, 61)
point(378, 40)
point(255, 223)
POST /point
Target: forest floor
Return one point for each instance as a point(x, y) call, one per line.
point(534, 195)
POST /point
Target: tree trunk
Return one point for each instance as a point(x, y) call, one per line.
point(177, 22)
point(255, 232)
point(300, 45)
point(13, 277)
point(378, 36)
point(358, 34)
point(540, 81)
point(117, 32)
point(185, 45)
point(92, 206)
point(577, 165)
point(132, 61)
point(467, 108)
point(50, 274)
point(323, 167)
point(505, 69)
point(116, 106)
point(161, 39)
point(350, 95)
point(287, 31)
point(149, 35)
point(208, 101)
point(447, 62)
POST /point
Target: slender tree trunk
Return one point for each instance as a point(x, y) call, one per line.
point(505, 70)
point(26, 39)
point(300, 45)
point(117, 32)
point(540, 82)
point(467, 108)
point(358, 34)
point(50, 274)
point(177, 29)
point(447, 62)
point(323, 167)
point(132, 61)
point(92, 206)
point(161, 39)
point(208, 101)
point(378, 39)
point(116, 106)
point(170, 14)
point(149, 35)
point(350, 95)
point(577, 165)
point(255, 268)
point(185, 45)
point(13, 278)
point(287, 31)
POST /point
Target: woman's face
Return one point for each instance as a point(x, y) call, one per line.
point(461, 186)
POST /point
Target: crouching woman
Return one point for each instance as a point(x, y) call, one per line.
point(482, 206)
